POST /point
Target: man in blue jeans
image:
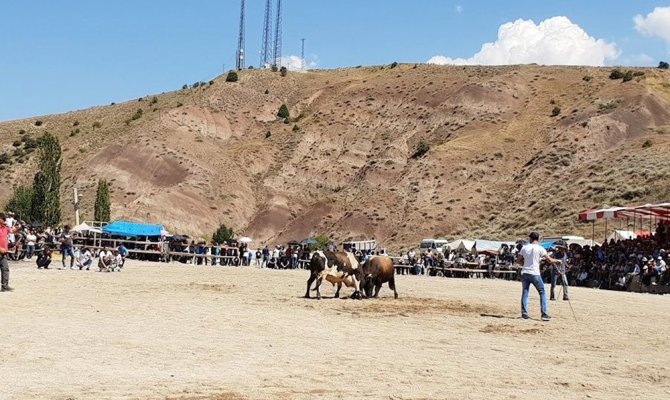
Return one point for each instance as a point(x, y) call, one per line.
point(530, 255)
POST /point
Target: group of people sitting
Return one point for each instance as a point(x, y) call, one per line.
point(614, 264)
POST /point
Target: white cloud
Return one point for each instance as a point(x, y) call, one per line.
point(294, 63)
point(554, 41)
point(459, 8)
point(656, 23)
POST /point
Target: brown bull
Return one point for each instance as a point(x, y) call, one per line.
point(376, 271)
point(337, 268)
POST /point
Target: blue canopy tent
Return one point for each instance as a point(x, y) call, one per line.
point(547, 244)
point(127, 228)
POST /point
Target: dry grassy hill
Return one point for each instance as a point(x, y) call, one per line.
point(499, 163)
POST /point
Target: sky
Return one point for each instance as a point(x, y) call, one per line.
point(59, 56)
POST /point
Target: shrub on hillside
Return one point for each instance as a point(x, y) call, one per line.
point(232, 76)
point(296, 128)
point(587, 78)
point(5, 159)
point(394, 64)
point(96, 125)
point(556, 111)
point(154, 100)
point(268, 134)
point(628, 76)
point(647, 143)
point(663, 65)
point(638, 73)
point(274, 68)
point(22, 132)
point(616, 74)
point(421, 149)
point(283, 71)
point(75, 123)
point(137, 115)
point(283, 112)
point(38, 123)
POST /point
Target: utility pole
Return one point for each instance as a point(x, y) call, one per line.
point(302, 55)
point(76, 207)
point(240, 43)
point(278, 34)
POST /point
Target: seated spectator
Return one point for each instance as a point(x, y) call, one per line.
point(44, 258)
point(582, 278)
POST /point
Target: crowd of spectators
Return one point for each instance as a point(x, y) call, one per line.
point(614, 264)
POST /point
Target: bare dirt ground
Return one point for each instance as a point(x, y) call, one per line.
point(181, 332)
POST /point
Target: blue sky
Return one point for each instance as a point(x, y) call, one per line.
point(57, 56)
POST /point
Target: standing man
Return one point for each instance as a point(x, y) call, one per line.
point(559, 270)
point(530, 255)
point(5, 231)
point(66, 246)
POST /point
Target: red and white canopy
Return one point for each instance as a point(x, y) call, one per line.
point(658, 211)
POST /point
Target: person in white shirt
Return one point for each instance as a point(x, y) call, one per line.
point(530, 256)
point(104, 260)
point(85, 259)
point(30, 245)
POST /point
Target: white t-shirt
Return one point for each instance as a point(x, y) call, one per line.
point(532, 254)
point(30, 238)
point(102, 254)
point(85, 256)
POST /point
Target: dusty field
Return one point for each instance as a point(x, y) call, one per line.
point(177, 332)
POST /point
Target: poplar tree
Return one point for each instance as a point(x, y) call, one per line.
point(102, 211)
point(45, 205)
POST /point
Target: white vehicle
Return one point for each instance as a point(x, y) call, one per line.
point(435, 244)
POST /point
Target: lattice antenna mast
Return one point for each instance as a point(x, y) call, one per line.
point(278, 34)
point(240, 56)
point(266, 46)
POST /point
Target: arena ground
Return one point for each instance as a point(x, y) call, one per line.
point(157, 331)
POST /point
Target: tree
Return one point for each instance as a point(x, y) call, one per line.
point(663, 65)
point(232, 76)
point(102, 208)
point(45, 205)
point(20, 202)
point(283, 112)
point(223, 234)
point(321, 242)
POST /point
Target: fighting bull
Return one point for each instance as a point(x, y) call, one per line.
point(375, 272)
point(337, 268)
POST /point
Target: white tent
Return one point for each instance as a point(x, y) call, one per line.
point(618, 235)
point(83, 227)
point(465, 245)
point(489, 245)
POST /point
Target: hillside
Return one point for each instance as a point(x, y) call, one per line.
point(499, 163)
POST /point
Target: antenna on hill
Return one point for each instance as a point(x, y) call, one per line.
point(278, 34)
point(239, 62)
point(266, 47)
point(302, 55)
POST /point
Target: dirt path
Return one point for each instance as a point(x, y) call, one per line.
point(181, 332)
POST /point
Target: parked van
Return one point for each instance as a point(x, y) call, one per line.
point(435, 244)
